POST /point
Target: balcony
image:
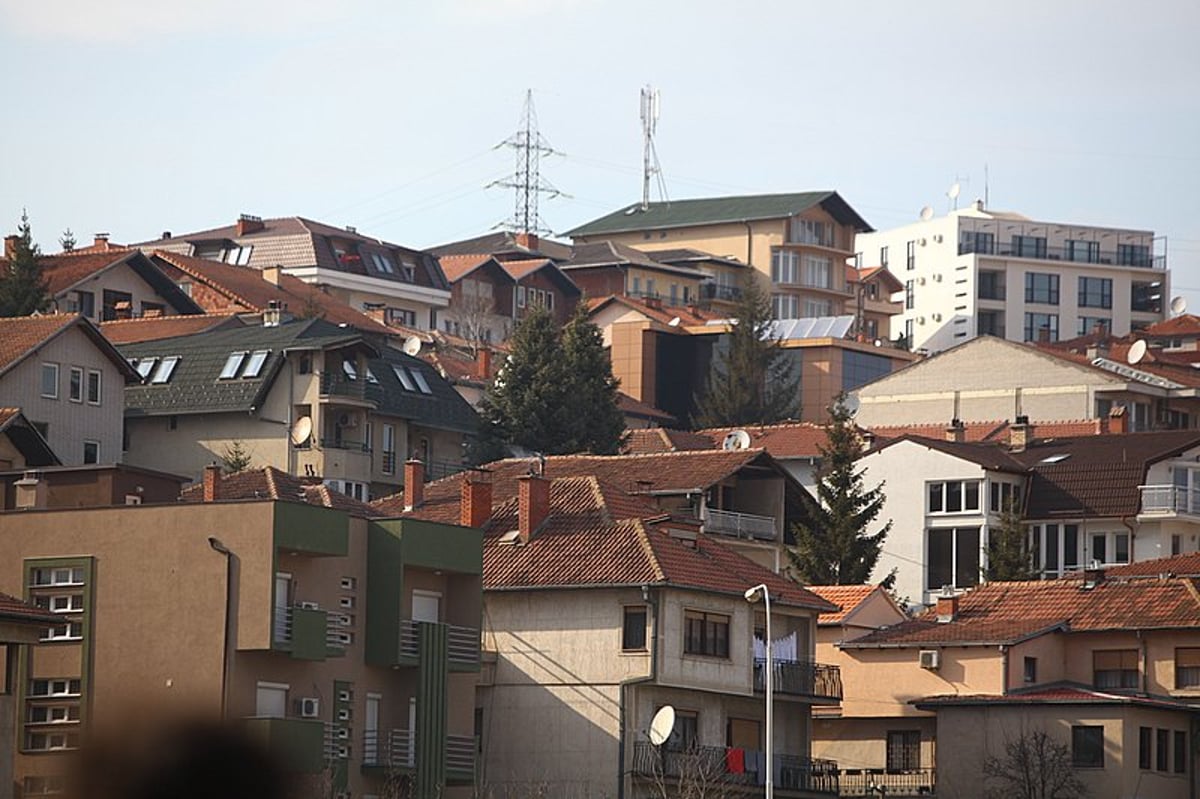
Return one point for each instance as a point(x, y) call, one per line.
point(699, 766)
point(339, 385)
point(739, 525)
point(1169, 500)
point(716, 291)
point(1043, 253)
point(346, 444)
point(298, 744)
point(307, 633)
point(884, 782)
point(462, 643)
point(800, 678)
point(396, 751)
point(460, 757)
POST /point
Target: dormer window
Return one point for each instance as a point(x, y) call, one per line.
point(232, 364)
point(383, 263)
point(409, 271)
point(237, 255)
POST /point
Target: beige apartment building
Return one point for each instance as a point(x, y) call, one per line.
point(347, 644)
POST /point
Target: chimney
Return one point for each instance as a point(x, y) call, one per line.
point(475, 506)
point(957, 431)
point(534, 504)
point(483, 363)
point(1093, 575)
point(212, 482)
point(1099, 347)
point(248, 224)
point(414, 484)
point(101, 241)
point(31, 491)
point(271, 274)
point(527, 240)
point(273, 314)
point(10, 246)
point(1118, 420)
point(947, 605)
point(166, 235)
point(1019, 434)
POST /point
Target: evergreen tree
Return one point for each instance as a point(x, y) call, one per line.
point(235, 457)
point(833, 547)
point(752, 381)
point(22, 287)
point(67, 240)
point(597, 424)
point(1008, 553)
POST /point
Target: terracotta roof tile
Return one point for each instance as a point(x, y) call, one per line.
point(63, 271)
point(1182, 325)
point(634, 407)
point(789, 440)
point(20, 335)
point(1060, 693)
point(846, 597)
point(271, 483)
point(128, 331)
point(689, 316)
point(1186, 565)
point(13, 609)
point(457, 267)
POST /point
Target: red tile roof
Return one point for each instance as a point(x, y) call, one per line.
point(128, 331)
point(665, 439)
point(63, 271)
point(457, 267)
point(1186, 565)
point(1060, 693)
point(7, 415)
point(1005, 613)
point(525, 267)
point(642, 410)
point(21, 335)
point(14, 610)
point(271, 483)
point(846, 597)
point(783, 441)
point(1183, 325)
point(688, 316)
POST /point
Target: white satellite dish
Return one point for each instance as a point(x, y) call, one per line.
point(1137, 351)
point(412, 346)
point(851, 403)
point(1178, 305)
point(675, 322)
point(662, 725)
point(926, 213)
point(954, 191)
point(736, 439)
point(301, 430)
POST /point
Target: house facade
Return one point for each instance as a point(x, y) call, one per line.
point(489, 297)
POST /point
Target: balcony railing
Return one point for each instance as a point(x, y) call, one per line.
point(436, 470)
point(340, 385)
point(462, 643)
point(346, 444)
point(460, 753)
point(394, 749)
point(739, 525)
point(1104, 257)
point(800, 678)
point(700, 765)
point(1167, 499)
point(884, 782)
point(284, 627)
point(716, 291)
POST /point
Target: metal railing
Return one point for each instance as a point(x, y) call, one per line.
point(335, 629)
point(716, 291)
point(1045, 253)
point(282, 625)
point(460, 752)
point(1170, 499)
point(885, 782)
point(800, 678)
point(436, 470)
point(739, 525)
point(346, 444)
point(462, 643)
point(706, 764)
point(340, 385)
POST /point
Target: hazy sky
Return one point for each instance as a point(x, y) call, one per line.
point(138, 116)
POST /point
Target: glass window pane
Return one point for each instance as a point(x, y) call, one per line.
point(232, 364)
point(940, 559)
point(966, 571)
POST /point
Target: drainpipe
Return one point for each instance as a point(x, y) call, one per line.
point(1142, 665)
point(653, 600)
point(1004, 667)
point(749, 243)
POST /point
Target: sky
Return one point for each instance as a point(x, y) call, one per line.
point(132, 117)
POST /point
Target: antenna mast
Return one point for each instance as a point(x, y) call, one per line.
point(651, 108)
point(527, 181)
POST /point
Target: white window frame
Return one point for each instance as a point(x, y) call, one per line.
point(98, 376)
point(72, 373)
point(270, 686)
point(48, 367)
point(90, 442)
point(962, 486)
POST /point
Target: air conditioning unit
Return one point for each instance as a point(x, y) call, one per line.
point(930, 659)
point(308, 605)
point(347, 420)
point(310, 707)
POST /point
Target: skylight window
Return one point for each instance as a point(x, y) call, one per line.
point(348, 368)
point(1059, 458)
point(238, 256)
point(144, 366)
point(255, 364)
point(420, 378)
point(165, 369)
point(371, 378)
point(232, 364)
point(383, 263)
point(405, 380)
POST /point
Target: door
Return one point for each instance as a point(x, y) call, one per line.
point(426, 606)
point(283, 598)
point(270, 700)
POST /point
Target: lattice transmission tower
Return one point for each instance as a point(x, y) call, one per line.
point(527, 182)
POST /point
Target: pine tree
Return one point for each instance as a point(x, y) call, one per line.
point(22, 287)
point(235, 457)
point(752, 381)
point(598, 426)
point(833, 547)
point(67, 241)
point(1009, 556)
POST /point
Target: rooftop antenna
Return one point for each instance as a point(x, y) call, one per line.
point(527, 181)
point(987, 201)
point(953, 192)
point(651, 109)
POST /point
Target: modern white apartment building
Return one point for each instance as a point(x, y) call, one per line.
point(976, 271)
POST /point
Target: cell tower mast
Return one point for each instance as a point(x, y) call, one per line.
point(651, 108)
point(527, 181)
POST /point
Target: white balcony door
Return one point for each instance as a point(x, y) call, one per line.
point(426, 606)
point(271, 700)
point(283, 595)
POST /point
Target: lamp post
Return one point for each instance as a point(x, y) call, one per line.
point(230, 573)
point(752, 595)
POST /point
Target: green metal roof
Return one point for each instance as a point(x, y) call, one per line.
point(718, 210)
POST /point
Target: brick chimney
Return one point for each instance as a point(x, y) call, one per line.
point(483, 363)
point(1118, 420)
point(533, 506)
point(212, 482)
point(414, 484)
point(31, 491)
point(100, 242)
point(527, 240)
point(475, 505)
point(10, 246)
point(248, 224)
point(947, 605)
point(1019, 433)
point(956, 431)
point(271, 274)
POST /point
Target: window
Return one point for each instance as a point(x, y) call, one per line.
point(1133, 255)
point(910, 255)
point(1029, 246)
point(1087, 746)
point(85, 303)
point(991, 323)
point(1145, 747)
point(706, 634)
point(67, 631)
point(1162, 750)
point(908, 294)
point(349, 369)
point(57, 576)
point(237, 255)
point(808, 231)
point(91, 451)
point(633, 631)
point(1146, 297)
point(404, 378)
point(954, 496)
point(56, 687)
point(903, 750)
point(991, 285)
point(1084, 252)
point(1110, 547)
point(883, 257)
point(50, 380)
point(1187, 667)
point(953, 557)
point(383, 263)
point(785, 306)
point(271, 700)
point(389, 449)
point(419, 377)
point(814, 308)
point(1001, 496)
point(1041, 288)
point(402, 316)
point(1094, 324)
point(683, 736)
point(60, 603)
point(785, 266)
point(143, 366)
point(521, 295)
point(117, 305)
point(1029, 672)
point(75, 385)
point(165, 369)
point(48, 741)
point(1180, 752)
point(1095, 292)
point(254, 366)
point(232, 364)
point(1115, 669)
point(1055, 548)
point(93, 387)
point(818, 271)
point(52, 714)
point(1041, 327)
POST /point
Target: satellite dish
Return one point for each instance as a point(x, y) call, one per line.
point(412, 346)
point(926, 214)
point(675, 322)
point(1137, 351)
point(1178, 305)
point(736, 439)
point(662, 725)
point(851, 403)
point(301, 430)
point(954, 191)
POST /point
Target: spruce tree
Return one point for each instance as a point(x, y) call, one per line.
point(833, 546)
point(67, 241)
point(1009, 556)
point(597, 424)
point(752, 381)
point(22, 287)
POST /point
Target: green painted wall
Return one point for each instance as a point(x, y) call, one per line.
point(308, 634)
point(438, 546)
point(385, 568)
point(312, 529)
point(431, 711)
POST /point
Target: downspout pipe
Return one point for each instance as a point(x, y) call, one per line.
point(650, 596)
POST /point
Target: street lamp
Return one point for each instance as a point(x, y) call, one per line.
point(752, 595)
point(230, 571)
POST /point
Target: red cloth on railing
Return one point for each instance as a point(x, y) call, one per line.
point(735, 761)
